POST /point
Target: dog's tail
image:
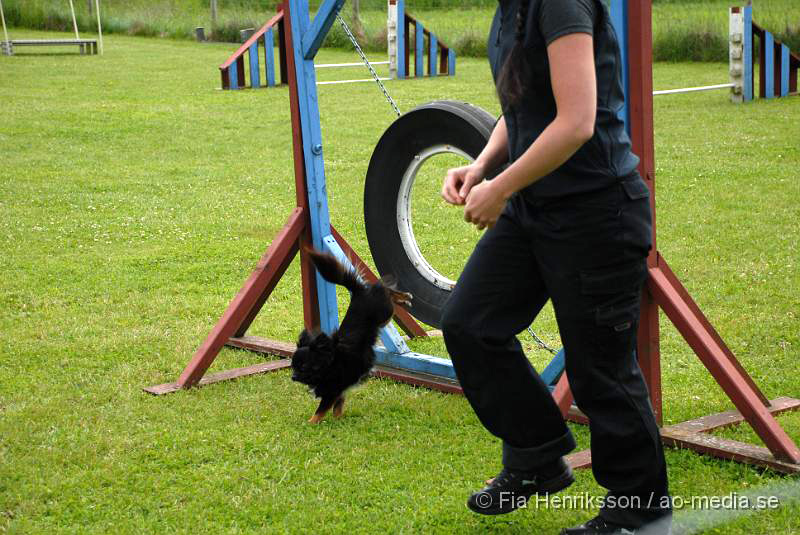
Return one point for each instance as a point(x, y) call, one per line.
point(334, 271)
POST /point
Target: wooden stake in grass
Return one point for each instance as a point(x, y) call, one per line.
point(5, 31)
point(99, 26)
point(74, 22)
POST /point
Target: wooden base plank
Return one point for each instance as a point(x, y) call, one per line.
point(249, 298)
point(575, 415)
point(729, 418)
point(726, 449)
point(262, 367)
point(692, 434)
point(263, 345)
point(418, 379)
point(416, 362)
point(580, 459)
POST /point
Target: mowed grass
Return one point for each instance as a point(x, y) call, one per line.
point(136, 197)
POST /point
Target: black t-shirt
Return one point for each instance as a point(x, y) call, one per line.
point(606, 158)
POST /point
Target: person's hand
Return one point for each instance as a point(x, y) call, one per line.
point(459, 181)
point(485, 203)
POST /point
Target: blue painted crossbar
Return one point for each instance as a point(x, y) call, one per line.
point(553, 370)
point(255, 71)
point(391, 339)
point(440, 367)
point(433, 54)
point(323, 20)
point(419, 50)
point(769, 65)
point(233, 76)
point(748, 53)
point(619, 19)
point(401, 40)
point(416, 362)
point(269, 56)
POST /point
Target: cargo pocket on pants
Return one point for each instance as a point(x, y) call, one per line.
point(613, 294)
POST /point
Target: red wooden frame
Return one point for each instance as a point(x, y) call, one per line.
point(296, 234)
point(664, 291)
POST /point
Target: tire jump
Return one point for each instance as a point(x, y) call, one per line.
point(432, 129)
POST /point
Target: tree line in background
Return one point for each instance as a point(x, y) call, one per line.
point(683, 30)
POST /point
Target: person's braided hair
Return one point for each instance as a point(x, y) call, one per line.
point(515, 71)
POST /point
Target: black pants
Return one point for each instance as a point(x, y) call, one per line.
point(587, 253)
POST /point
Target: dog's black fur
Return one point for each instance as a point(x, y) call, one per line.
point(330, 365)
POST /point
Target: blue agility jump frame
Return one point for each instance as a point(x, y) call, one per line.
point(309, 224)
point(778, 66)
point(394, 353)
point(441, 59)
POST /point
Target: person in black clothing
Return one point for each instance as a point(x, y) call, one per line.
point(568, 220)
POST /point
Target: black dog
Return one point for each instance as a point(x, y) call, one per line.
point(330, 365)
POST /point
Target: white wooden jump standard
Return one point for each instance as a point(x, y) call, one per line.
point(6, 43)
point(99, 25)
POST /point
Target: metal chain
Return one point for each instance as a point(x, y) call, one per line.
point(346, 28)
point(367, 63)
point(540, 342)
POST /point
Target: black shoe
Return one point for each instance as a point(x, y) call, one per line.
point(511, 489)
point(598, 526)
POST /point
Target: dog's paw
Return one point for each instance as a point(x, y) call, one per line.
point(317, 418)
point(338, 408)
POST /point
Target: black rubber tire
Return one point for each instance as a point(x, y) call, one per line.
point(442, 122)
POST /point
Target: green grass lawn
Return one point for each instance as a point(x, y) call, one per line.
point(136, 197)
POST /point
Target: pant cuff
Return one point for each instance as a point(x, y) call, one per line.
point(530, 458)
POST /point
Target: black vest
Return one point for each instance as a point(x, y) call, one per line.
point(603, 160)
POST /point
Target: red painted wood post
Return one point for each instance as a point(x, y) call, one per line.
point(307, 273)
point(240, 70)
point(282, 47)
point(640, 95)
point(683, 313)
point(703, 325)
point(406, 38)
point(244, 307)
point(444, 55)
point(563, 395)
point(262, 281)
